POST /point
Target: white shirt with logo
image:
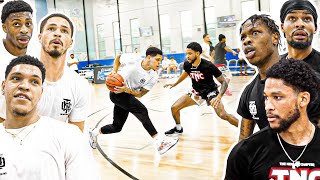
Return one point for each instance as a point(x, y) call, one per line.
point(134, 75)
point(50, 150)
point(66, 99)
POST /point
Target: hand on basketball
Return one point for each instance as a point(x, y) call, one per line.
point(120, 89)
point(112, 72)
point(215, 101)
point(169, 85)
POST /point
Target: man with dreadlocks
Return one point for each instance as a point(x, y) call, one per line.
point(260, 37)
point(298, 24)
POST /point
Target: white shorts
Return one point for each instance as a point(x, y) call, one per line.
point(225, 70)
point(199, 100)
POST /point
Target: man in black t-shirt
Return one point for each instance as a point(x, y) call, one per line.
point(260, 38)
point(289, 148)
point(220, 59)
point(299, 23)
point(201, 73)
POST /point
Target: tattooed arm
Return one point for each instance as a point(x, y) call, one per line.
point(246, 128)
point(138, 94)
point(224, 85)
point(125, 89)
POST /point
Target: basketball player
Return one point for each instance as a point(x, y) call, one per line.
point(260, 38)
point(139, 75)
point(66, 95)
point(201, 73)
point(299, 23)
point(206, 48)
point(16, 18)
point(33, 146)
point(289, 147)
point(220, 60)
point(242, 63)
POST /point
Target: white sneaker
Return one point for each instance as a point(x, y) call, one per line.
point(166, 143)
point(93, 138)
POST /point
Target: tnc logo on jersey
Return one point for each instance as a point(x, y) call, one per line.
point(280, 173)
point(66, 106)
point(196, 75)
point(253, 109)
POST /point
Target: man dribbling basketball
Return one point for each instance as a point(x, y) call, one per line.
point(140, 75)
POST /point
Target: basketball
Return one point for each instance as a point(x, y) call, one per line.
point(113, 80)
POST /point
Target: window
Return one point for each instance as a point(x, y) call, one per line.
point(101, 41)
point(247, 9)
point(74, 10)
point(211, 24)
point(116, 37)
point(186, 28)
point(165, 33)
point(135, 34)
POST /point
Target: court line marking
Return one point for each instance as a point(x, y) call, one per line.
point(110, 160)
point(97, 111)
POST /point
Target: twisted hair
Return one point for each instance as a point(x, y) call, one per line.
point(270, 23)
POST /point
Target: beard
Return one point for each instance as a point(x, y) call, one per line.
point(54, 53)
point(286, 123)
point(301, 45)
point(20, 113)
point(22, 48)
point(193, 60)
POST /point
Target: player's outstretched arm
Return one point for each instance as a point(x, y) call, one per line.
point(183, 76)
point(230, 50)
point(116, 64)
point(246, 128)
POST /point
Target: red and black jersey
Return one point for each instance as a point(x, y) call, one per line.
point(202, 76)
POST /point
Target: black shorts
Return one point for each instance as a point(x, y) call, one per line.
point(199, 100)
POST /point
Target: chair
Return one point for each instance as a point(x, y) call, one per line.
point(234, 68)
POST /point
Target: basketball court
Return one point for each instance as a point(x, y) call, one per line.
point(199, 154)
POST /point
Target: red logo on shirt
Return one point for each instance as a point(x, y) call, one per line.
point(196, 75)
point(278, 173)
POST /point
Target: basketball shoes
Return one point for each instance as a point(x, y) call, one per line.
point(93, 137)
point(166, 143)
point(174, 131)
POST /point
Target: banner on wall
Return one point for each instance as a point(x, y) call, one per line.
point(226, 21)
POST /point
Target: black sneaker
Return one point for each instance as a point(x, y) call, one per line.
point(174, 131)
